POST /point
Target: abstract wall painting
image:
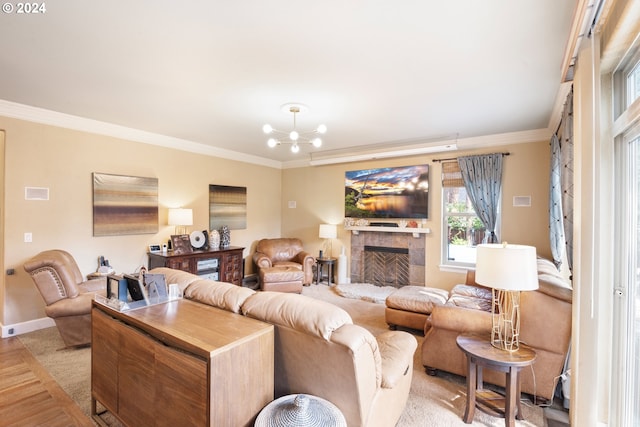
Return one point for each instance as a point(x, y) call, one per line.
point(124, 205)
point(227, 206)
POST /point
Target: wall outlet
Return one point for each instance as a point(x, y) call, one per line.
point(28, 237)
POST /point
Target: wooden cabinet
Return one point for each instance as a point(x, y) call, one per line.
point(180, 363)
point(224, 264)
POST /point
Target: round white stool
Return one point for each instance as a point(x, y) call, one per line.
point(300, 410)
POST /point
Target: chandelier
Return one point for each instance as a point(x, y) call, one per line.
point(294, 137)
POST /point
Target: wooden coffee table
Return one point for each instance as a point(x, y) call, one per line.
point(481, 354)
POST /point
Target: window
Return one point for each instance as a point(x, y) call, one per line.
point(626, 324)
point(633, 85)
point(462, 230)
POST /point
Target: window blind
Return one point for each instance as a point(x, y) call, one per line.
point(451, 175)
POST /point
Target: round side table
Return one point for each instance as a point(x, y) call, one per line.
point(321, 262)
point(481, 354)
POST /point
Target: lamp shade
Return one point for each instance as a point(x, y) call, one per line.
point(507, 267)
point(328, 231)
point(179, 216)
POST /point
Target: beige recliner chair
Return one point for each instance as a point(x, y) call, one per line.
point(66, 295)
point(284, 253)
point(320, 352)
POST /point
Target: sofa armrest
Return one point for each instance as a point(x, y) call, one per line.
point(459, 319)
point(262, 260)
point(396, 351)
point(97, 285)
point(305, 259)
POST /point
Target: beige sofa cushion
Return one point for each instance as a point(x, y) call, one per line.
point(217, 294)
point(297, 312)
point(396, 360)
point(467, 296)
point(181, 278)
point(418, 299)
point(223, 295)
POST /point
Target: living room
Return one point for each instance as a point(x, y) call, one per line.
point(47, 149)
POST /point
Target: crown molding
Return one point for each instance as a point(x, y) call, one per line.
point(68, 121)
point(53, 118)
point(510, 138)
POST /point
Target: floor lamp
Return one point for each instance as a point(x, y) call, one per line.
point(507, 270)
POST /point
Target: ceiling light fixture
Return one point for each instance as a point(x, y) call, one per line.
point(294, 137)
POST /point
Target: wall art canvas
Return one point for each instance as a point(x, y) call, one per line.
point(124, 205)
point(397, 192)
point(227, 206)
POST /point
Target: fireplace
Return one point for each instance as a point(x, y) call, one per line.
point(384, 266)
point(387, 259)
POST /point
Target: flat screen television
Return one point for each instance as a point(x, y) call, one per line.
point(397, 192)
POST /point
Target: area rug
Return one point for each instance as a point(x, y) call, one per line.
point(364, 291)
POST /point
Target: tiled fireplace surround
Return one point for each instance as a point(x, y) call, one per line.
point(415, 246)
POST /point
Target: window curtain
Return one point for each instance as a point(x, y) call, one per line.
point(561, 188)
point(566, 150)
point(556, 227)
point(482, 177)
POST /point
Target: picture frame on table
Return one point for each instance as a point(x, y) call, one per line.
point(181, 244)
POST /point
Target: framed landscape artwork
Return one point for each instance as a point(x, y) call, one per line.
point(397, 192)
point(227, 206)
point(124, 205)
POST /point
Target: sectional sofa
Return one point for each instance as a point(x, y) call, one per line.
point(545, 326)
point(318, 349)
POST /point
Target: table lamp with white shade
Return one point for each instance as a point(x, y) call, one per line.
point(181, 218)
point(507, 270)
point(328, 232)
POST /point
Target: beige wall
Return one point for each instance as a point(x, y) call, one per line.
point(319, 196)
point(63, 161)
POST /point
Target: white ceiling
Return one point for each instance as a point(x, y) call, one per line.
point(213, 72)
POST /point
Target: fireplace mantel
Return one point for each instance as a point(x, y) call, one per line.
point(356, 229)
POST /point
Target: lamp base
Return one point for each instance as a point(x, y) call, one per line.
point(505, 319)
point(181, 229)
point(328, 249)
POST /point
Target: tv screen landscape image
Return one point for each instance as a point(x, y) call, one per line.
point(399, 192)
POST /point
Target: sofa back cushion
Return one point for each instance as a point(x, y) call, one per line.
point(56, 275)
point(218, 294)
point(278, 250)
point(298, 312)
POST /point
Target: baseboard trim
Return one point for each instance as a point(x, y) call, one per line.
point(25, 327)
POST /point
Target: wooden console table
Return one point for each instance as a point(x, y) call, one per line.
point(224, 264)
point(180, 363)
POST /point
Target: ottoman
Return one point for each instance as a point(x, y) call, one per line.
point(281, 279)
point(410, 306)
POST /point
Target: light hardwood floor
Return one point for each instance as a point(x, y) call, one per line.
point(29, 396)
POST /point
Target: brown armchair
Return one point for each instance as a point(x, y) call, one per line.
point(66, 295)
point(284, 252)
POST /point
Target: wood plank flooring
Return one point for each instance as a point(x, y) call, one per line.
point(29, 396)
